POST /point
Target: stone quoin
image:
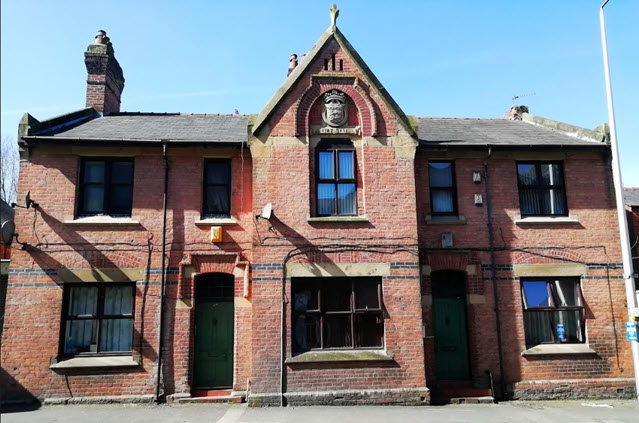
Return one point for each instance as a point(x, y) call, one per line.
point(405, 259)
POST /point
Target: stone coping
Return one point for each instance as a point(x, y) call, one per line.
point(338, 219)
point(97, 362)
point(544, 220)
point(446, 220)
point(340, 356)
point(558, 349)
point(228, 221)
point(103, 220)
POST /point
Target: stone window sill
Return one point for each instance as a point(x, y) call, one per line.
point(340, 356)
point(445, 220)
point(558, 349)
point(96, 362)
point(338, 219)
point(103, 220)
point(227, 221)
point(544, 220)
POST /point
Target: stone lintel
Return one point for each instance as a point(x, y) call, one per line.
point(549, 269)
point(104, 274)
point(337, 269)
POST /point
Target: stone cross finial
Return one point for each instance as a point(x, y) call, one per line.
point(334, 12)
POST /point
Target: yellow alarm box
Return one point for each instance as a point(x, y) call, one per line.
point(216, 234)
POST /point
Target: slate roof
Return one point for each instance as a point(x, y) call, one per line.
point(631, 196)
point(160, 126)
point(468, 132)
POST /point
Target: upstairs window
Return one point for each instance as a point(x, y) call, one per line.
point(553, 310)
point(337, 313)
point(541, 189)
point(335, 177)
point(443, 196)
point(106, 187)
point(97, 318)
point(217, 189)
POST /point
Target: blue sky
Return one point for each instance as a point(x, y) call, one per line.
point(444, 58)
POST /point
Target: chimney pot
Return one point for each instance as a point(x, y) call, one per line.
point(101, 38)
point(292, 63)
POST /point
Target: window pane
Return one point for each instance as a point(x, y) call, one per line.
point(337, 331)
point(536, 293)
point(346, 198)
point(80, 336)
point(442, 201)
point(440, 174)
point(566, 293)
point(305, 297)
point(527, 174)
point(218, 173)
point(93, 199)
point(122, 172)
point(118, 300)
point(306, 332)
point(369, 330)
point(217, 201)
point(571, 321)
point(366, 295)
point(116, 335)
point(531, 203)
point(346, 164)
point(326, 165)
point(121, 199)
point(83, 301)
point(537, 327)
point(551, 174)
point(326, 199)
point(93, 171)
point(336, 296)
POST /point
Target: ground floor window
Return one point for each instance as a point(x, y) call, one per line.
point(97, 318)
point(337, 313)
point(553, 310)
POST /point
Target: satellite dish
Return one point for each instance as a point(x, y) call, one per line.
point(8, 230)
point(267, 211)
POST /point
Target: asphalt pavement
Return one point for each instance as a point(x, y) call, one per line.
point(520, 412)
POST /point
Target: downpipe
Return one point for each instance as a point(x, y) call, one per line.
point(491, 240)
point(163, 282)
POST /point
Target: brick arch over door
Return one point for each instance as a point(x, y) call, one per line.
point(456, 262)
point(368, 118)
point(203, 263)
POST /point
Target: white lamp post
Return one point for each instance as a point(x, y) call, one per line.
point(631, 294)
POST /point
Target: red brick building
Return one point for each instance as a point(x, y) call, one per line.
point(404, 257)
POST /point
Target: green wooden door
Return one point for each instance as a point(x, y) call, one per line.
point(213, 345)
point(451, 342)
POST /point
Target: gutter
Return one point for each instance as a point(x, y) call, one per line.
point(163, 283)
point(35, 139)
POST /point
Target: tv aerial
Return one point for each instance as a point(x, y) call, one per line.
point(515, 97)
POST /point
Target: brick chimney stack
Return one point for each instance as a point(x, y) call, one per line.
point(105, 80)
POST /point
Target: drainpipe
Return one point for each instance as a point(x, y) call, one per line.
point(491, 241)
point(283, 333)
point(626, 254)
point(163, 283)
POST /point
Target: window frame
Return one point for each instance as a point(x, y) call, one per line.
point(321, 312)
point(335, 146)
point(553, 307)
point(98, 317)
point(205, 185)
point(107, 186)
point(540, 187)
point(452, 189)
